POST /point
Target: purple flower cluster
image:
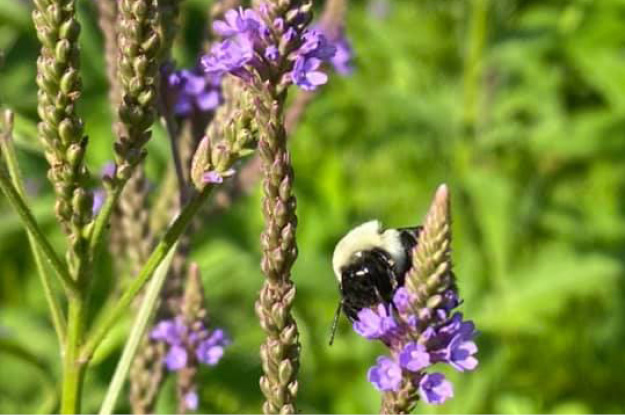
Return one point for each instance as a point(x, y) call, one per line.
point(417, 342)
point(256, 45)
point(189, 342)
point(194, 91)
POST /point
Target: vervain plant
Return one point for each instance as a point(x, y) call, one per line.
point(231, 106)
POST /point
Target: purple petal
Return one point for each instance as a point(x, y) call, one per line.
point(208, 100)
point(170, 331)
point(176, 358)
point(212, 177)
point(99, 196)
point(209, 354)
point(435, 389)
point(191, 400)
point(414, 357)
point(385, 375)
point(183, 106)
point(108, 170)
point(317, 78)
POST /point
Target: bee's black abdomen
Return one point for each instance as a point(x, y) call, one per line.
point(372, 279)
point(367, 281)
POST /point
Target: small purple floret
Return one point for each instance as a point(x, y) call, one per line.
point(414, 357)
point(108, 170)
point(170, 331)
point(375, 324)
point(385, 375)
point(99, 197)
point(237, 22)
point(460, 353)
point(209, 354)
point(212, 177)
point(176, 358)
point(403, 300)
point(191, 400)
point(231, 55)
point(272, 53)
point(306, 74)
point(316, 45)
point(435, 389)
point(342, 59)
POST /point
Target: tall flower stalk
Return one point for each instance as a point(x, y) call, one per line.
point(420, 326)
point(137, 66)
point(269, 50)
point(280, 352)
point(61, 132)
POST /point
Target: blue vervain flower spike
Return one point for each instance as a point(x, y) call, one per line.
point(420, 327)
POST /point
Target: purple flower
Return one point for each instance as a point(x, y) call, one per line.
point(219, 337)
point(211, 350)
point(342, 59)
point(385, 375)
point(306, 75)
point(435, 389)
point(414, 357)
point(212, 177)
point(108, 170)
point(194, 91)
point(459, 353)
point(191, 400)
point(454, 326)
point(231, 56)
point(272, 53)
point(251, 47)
point(375, 325)
point(215, 177)
point(403, 299)
point(316, 45)
point(176, 358)
point(99, 196)
point(209, 353)
point(186, 341)
point(450, 300)
point(238, 22)
point(289, 35)
point(170, 331)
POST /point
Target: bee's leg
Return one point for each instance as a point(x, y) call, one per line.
point(335, 323)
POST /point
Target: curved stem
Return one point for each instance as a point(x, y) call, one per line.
point(20, 207)
point(8, 152)
point(158, 255)
point(136, 334)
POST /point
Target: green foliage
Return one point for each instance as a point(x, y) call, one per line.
point(537, 181)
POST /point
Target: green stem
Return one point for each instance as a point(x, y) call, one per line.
point(473, 62)
point(102, 220)
point(73, 367)
point(170, 238)
point(56, 313)
point(136, 334)
point(9, 154)
point(20, 207)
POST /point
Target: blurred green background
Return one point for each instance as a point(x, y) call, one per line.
point(518, 105)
